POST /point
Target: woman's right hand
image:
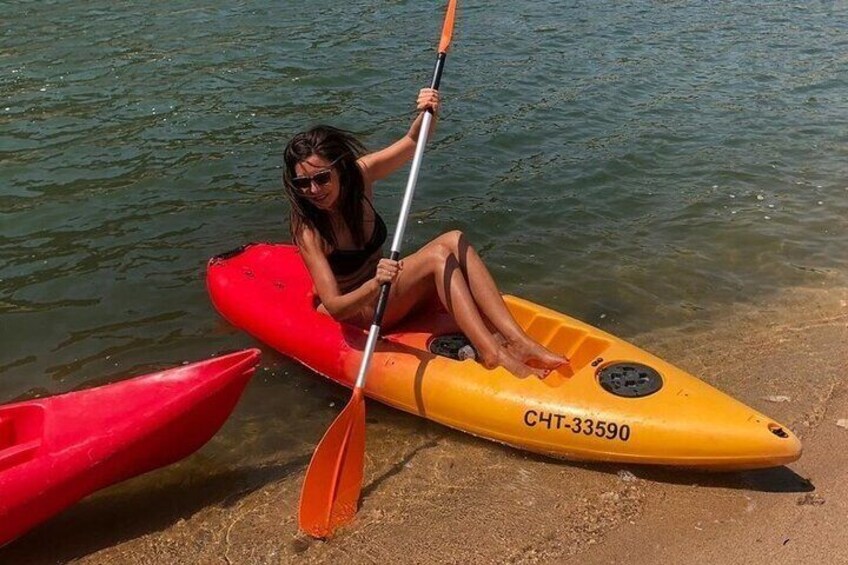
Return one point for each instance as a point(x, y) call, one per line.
point(388, 271)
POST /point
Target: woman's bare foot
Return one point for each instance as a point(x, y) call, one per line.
point(535, 355)
point(514, 365)
point(500, 339)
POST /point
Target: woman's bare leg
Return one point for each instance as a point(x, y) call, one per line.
point(488, 298)
point(435, 268)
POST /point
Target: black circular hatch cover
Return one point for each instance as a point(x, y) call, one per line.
point(631, 380)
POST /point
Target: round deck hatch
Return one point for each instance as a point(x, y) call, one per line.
point(630, 380)
point(448, 345)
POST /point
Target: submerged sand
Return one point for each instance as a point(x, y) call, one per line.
point(435, 495)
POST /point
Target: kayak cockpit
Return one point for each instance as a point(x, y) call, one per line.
point(20, 434)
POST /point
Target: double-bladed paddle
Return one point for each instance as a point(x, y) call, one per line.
point(330, 495)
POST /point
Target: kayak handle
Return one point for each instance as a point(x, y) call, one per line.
point(231, 253)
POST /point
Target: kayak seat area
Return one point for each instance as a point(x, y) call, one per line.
point(20, 434)
point(555, 333)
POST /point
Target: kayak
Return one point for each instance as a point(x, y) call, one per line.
point(614, 402)
point(54, 451)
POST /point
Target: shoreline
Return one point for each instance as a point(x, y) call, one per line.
point(435, 495)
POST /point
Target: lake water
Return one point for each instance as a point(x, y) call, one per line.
point(635, 164)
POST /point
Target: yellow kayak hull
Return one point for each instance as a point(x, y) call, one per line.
point(675, 419)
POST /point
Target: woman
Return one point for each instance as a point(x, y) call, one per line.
point(329, 181)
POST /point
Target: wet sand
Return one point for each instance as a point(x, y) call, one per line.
point(435, 495)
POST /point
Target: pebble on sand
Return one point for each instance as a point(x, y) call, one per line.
point(777, 398)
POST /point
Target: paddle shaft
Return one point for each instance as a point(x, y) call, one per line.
point(383, 300)
point(333, 480)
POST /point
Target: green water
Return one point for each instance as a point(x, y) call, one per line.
point(635, 164)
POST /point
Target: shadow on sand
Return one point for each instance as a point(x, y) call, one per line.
point(775, 479)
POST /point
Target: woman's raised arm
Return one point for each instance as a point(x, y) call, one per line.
point(382, 163)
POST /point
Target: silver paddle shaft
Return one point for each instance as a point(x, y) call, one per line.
point(374, 332)
point(412, 181)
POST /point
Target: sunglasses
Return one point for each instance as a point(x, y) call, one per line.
point(321, 178)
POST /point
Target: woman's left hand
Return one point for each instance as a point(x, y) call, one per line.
point(428, 99)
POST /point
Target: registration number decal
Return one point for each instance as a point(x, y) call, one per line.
point(586, 426)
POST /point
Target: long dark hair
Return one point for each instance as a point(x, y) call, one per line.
point(332, 144)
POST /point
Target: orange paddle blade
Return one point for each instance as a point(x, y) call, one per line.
point(447, 29)
point(330, 494)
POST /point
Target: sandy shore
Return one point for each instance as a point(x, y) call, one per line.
point(435, 495)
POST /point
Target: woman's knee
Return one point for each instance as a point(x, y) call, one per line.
point(443, 253)
point(453, 240)
point(448, 245)
point(439, 252)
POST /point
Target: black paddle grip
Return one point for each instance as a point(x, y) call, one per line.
point(437, 73)
point(383, 301)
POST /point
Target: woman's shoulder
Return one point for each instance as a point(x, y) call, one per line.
point(309, 240)
point(367, 182)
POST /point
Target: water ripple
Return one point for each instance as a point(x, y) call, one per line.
point(642, 160)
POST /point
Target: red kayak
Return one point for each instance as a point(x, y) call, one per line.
point(55, 451)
